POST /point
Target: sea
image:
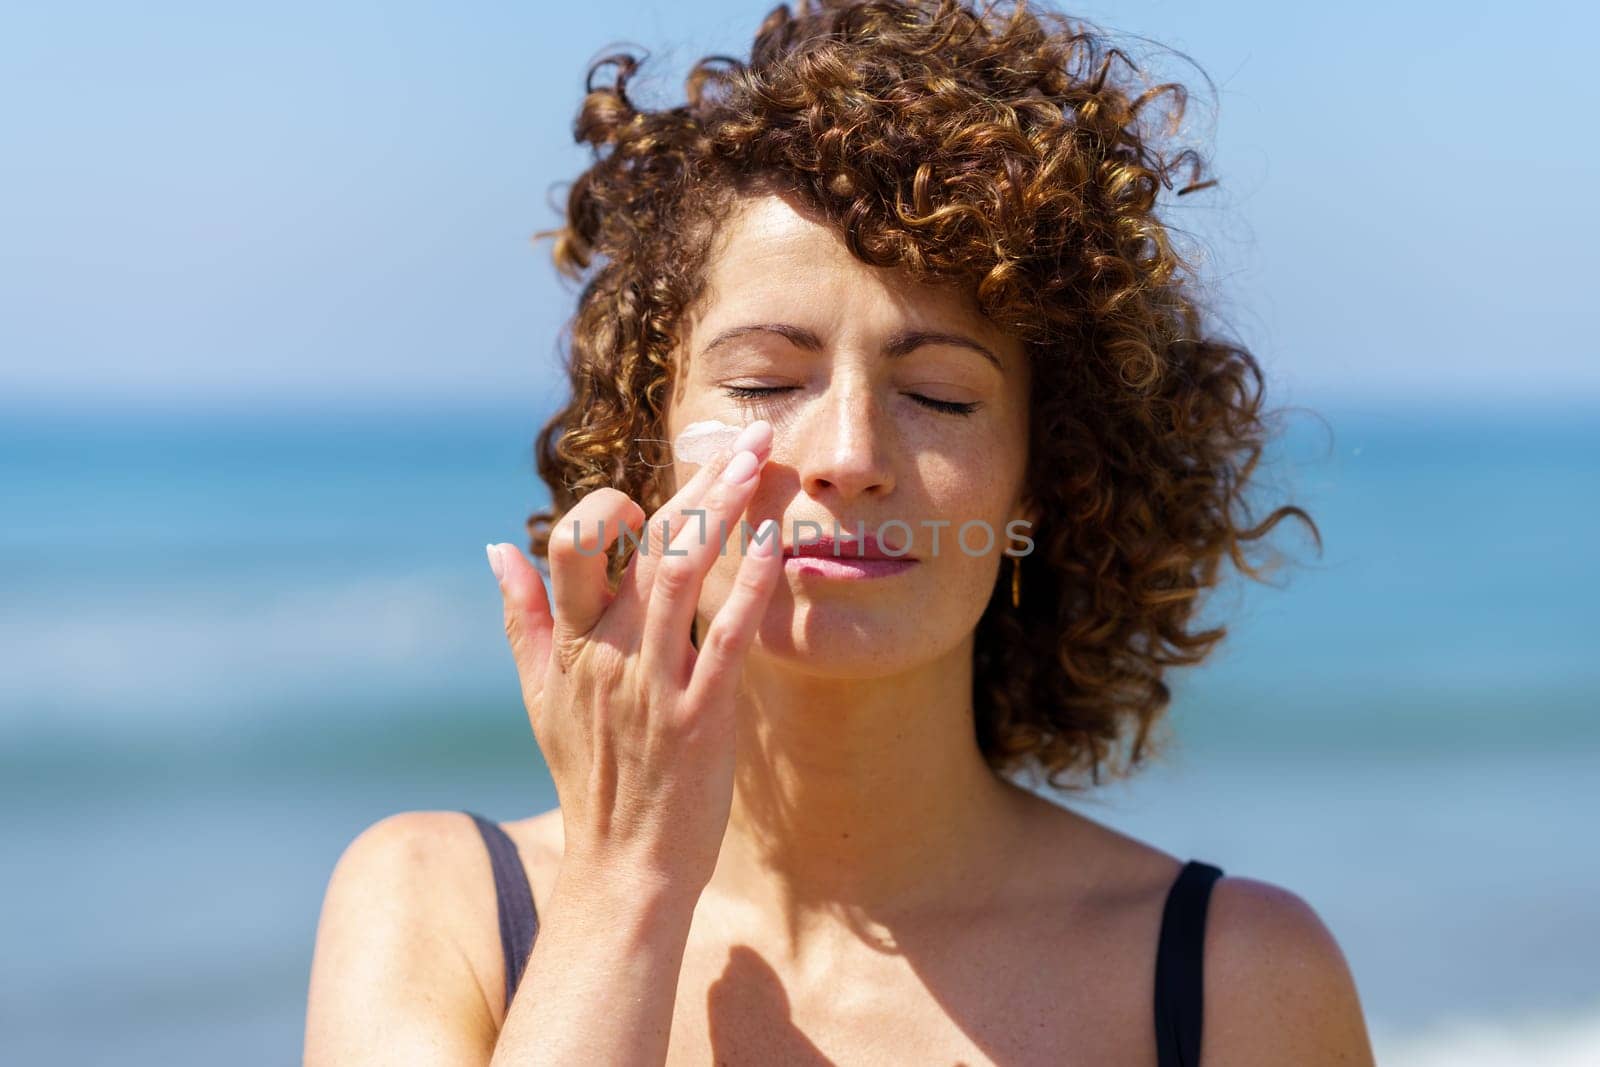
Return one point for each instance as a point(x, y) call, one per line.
point(233, 638)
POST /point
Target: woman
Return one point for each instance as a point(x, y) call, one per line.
point(912, 252)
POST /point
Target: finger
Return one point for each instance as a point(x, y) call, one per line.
point(579, 585)
point(671, 517)
point(679, 573)
point(720, 661)
point(527, 615)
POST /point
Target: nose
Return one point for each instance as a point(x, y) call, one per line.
point(842, 444)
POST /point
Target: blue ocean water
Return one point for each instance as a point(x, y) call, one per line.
point(234, 639)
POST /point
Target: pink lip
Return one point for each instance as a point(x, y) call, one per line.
point(845, 567)
point(865, 550)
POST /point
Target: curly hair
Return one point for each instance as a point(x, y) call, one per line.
point(994, 148)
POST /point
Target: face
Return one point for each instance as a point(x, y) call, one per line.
point(897, 410)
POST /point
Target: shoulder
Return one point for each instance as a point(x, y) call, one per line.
point(395, 843)
point(1277, 986)
point(399, 957)
point(413, 863)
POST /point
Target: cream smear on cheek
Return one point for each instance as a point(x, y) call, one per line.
point(701, 442)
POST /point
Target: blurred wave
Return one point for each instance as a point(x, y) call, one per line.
point(1550, 1040)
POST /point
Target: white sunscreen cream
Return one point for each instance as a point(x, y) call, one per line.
point(700, 442)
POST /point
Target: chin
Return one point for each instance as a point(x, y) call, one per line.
point(850, 638)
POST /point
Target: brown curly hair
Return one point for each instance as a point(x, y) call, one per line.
point(995, 148)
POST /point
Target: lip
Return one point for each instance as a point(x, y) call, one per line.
point(866, 549)
point(846, 567)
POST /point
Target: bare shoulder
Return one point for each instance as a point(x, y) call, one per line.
point(398, 971)
point(1277, 986)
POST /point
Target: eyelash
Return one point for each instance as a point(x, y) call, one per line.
point(950, 407)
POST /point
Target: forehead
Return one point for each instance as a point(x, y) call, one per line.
point(773, 258)
point(773, 233)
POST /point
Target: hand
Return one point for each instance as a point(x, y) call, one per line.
point(636, 724)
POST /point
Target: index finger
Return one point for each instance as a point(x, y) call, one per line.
point(664, 525)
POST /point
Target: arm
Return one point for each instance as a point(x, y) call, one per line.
point(638, 729)
point(1278, 989)
point(602, 978)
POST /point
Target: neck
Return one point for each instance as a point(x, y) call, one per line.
point(862, 795)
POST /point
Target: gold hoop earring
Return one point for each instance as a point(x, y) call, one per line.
point(1016, 581)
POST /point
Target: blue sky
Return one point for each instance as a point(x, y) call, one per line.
point(264, 204)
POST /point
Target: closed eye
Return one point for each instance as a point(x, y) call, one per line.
point(748, 392)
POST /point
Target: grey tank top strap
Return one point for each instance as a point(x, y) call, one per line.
point(1179, 955)
point(519, 922)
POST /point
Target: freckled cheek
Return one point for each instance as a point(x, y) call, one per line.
point(969, 483)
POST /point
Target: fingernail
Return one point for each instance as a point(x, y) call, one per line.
point(748, 436)
point(740, 468)
point(495, 562)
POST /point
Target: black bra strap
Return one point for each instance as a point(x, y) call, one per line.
point(1179, 956)
point(519, 923)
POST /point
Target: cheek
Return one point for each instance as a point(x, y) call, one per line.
point(977, 486)
point(976, 481)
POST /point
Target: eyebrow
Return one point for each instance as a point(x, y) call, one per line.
point(900, 344)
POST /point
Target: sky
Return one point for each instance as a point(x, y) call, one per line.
point(263, 205)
